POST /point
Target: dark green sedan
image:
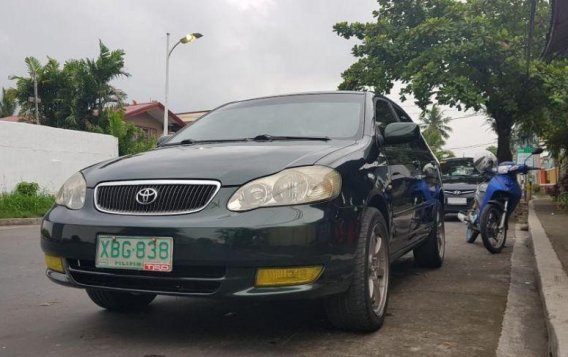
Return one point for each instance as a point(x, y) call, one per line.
point(303, 196)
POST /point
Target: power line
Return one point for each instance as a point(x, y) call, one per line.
point(466, 116)
point(473, 146)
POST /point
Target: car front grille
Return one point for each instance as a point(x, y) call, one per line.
point(191, 280)
point(154, 197)
point(459, 192)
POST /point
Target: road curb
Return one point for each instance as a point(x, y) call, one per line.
point(19, 221)
point(553, 285)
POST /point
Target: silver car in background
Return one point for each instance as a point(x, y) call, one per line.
point(460, 180)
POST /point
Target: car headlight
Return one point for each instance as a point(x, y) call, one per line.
point(294, 186)
point(72, 193)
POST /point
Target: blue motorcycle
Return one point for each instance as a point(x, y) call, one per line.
point(495, 199)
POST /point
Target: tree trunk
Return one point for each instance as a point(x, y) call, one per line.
point(503, 127)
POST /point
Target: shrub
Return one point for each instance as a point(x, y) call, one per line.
point(562, 200)
point(27, 188)
point(25, 202)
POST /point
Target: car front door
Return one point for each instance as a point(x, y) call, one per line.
point(401, 171)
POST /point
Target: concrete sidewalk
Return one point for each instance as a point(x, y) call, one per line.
point(553, 281)
point(19, 221)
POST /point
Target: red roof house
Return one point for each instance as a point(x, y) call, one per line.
point(150, 118)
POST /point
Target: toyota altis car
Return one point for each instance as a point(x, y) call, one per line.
point(305, 196)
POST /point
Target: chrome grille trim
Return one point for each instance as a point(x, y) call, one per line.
point(464, 192)
point(188, 193)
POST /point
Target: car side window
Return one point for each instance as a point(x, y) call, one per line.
point(384, 114)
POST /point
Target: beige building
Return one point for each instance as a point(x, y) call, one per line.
point(189, 117)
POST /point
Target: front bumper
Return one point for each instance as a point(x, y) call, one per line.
point(216, 252)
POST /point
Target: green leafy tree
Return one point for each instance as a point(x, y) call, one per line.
point(435, 121)
point(552, 127)
point(464, 54)
point(492, 149)
point(131, 140)
point(53, 91)
point(8, 102)
point(436, 142)
point(436, 130)
point(74, 95)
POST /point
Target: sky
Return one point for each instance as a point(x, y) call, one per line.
point(250, 48)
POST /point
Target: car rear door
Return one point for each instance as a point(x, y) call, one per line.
point(426, 184)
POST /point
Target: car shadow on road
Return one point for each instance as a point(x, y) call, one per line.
point(178, 321)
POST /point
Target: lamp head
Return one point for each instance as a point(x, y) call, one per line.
point(190, 37)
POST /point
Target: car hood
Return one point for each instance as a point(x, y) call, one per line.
point(230, 163)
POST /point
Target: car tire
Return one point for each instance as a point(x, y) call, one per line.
point(430, 253)
point(120, 301)
point(363, 307)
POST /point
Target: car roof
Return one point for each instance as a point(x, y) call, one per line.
point(302, 93)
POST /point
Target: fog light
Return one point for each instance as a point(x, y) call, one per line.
point(287, 276)
point(54, 263)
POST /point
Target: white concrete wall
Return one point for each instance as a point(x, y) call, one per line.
point(48, 155)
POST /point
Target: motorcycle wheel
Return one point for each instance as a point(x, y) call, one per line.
point(470, 234)
point(493, 238)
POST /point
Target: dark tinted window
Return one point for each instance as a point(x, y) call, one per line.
point(383, 113)
point(402, 115)
point(332, 115)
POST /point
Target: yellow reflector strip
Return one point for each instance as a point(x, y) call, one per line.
point(54, 263)
point(287, 276)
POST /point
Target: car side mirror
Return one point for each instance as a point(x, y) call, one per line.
point(163, 139)
point(400, 133)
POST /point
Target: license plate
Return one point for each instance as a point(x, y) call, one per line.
point(135, 253)
point(457, 201)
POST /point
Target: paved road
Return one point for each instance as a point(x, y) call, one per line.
point(456, 310)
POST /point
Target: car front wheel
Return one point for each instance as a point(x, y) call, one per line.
point(363, 306)
point(120, 301)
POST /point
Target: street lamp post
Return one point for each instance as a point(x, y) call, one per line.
point(189, 38)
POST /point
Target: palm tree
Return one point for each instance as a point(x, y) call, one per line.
point(8, 102)
point(435, 122)
point(75, 95)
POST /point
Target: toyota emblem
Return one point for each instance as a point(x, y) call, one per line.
point(146, 196)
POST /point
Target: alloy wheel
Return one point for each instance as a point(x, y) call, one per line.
point(378, 272)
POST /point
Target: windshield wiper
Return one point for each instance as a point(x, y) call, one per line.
point(192, 142)
point(267, 137)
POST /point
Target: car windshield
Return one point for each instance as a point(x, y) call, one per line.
point(315, 116)
point(459, 170)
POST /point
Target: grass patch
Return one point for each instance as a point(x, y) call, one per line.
point(18, 205)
